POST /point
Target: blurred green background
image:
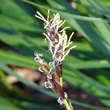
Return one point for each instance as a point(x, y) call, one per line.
point(86, 68)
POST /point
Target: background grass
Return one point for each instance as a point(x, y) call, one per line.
point(20, 30)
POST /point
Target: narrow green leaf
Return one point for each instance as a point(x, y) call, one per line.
point(90, 89)
point(97, 10)
point(90, 64)
point(18, 60)
point(35, 86)
point(3, 78)
point(7, 104)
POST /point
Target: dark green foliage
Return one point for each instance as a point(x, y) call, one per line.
point(23, 32)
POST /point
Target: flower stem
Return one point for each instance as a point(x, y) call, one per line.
point(68, 106)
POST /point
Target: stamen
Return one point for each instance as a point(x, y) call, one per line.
point(69, 43)
point(40, 69)
point(40, 55)
point(49, 75)
point(71, 105)
point(55, 17)
point(49, 22)
point(41, 17)
point(38, 17)
point(37, 55)
point(64, 29)
point(67, 52)
point(48, 84)
point(48, 38)
point(70, 36)
point(62, 23)
point(36, 59)
point(65, 94)
point(60, 101)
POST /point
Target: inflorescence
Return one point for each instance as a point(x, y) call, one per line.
point(58, 44)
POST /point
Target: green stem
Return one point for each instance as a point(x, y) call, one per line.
point(67, 105)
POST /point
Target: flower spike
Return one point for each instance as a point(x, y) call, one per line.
point(59, 46)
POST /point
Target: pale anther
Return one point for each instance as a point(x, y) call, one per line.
point(48, 84)
point(65, 94)
point(40, 69)
point(60, 101)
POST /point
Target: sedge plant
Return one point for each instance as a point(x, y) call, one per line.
point(58, 47)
